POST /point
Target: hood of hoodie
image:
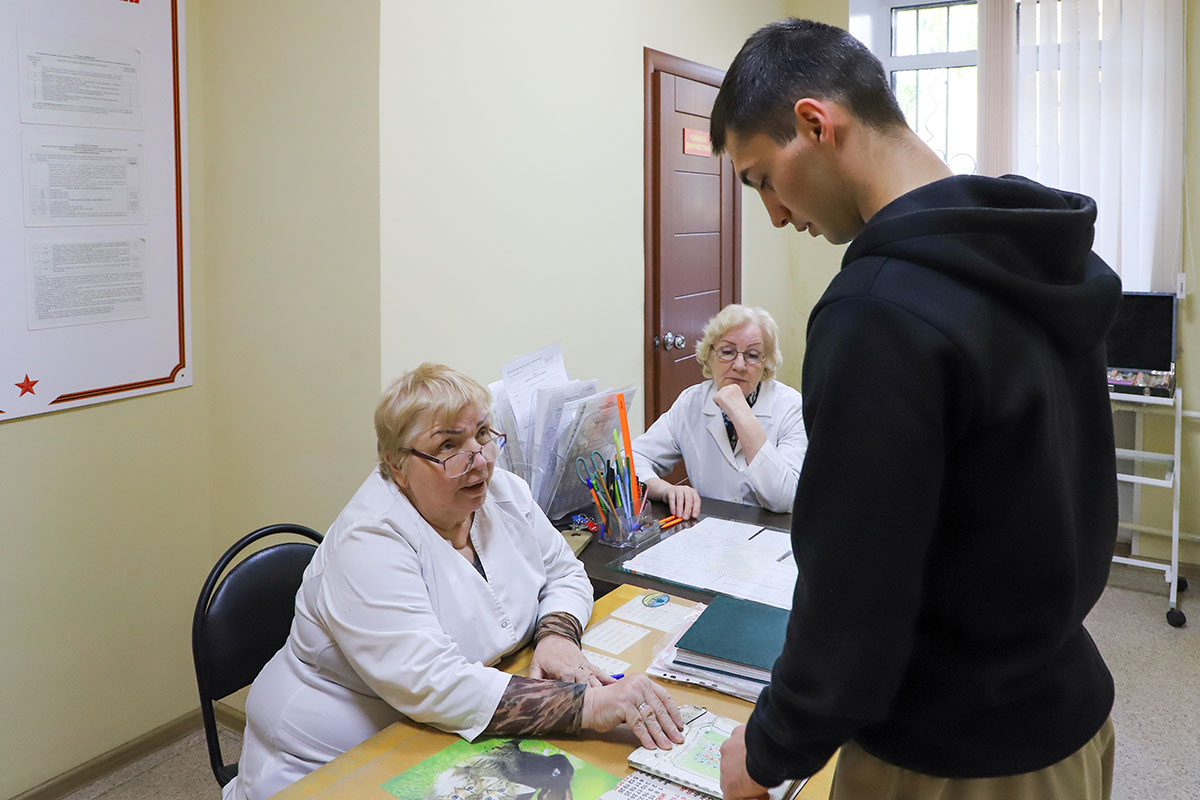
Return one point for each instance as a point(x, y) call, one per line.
point(1024, 243)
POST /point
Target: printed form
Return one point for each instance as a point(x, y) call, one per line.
point(746, 561)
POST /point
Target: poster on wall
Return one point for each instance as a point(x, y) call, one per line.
point(94, 280)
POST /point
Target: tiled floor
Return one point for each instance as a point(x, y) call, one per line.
point(1157, 672)
point(1157, 713)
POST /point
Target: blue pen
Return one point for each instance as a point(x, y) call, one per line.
point(618, 676)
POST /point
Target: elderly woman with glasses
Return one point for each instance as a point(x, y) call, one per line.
point(740, 434)
point(436, 568)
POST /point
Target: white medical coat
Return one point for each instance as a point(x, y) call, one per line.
point(390, 620)
point(694, 431)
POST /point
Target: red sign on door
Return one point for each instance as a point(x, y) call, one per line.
point(696, 143)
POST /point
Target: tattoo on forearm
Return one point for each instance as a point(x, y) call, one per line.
point(559, 623)
point(530, 705)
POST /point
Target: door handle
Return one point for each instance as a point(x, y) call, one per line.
point(669, 340)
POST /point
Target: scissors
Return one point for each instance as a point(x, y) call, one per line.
point(592, 467)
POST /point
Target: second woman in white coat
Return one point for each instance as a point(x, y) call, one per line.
point(740, 434)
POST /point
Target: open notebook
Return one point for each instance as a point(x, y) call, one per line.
point(696, 764)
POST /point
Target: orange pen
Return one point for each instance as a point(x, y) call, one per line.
point(599, 508)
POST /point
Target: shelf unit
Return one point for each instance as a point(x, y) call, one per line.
point(1170, 462)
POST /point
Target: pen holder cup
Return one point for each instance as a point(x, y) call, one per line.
point(618, 531)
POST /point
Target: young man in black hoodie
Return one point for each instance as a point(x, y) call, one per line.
point(955, 517)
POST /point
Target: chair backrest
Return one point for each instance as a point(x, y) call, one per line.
point(243, 620)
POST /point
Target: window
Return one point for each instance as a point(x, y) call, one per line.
point(929, 53)
point(1082, 95)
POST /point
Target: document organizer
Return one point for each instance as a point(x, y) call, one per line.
point(591, 429)
point(1141, 345)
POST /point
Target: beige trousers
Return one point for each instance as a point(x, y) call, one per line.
point(1084, 775)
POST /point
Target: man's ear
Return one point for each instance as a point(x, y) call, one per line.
point(815, 119)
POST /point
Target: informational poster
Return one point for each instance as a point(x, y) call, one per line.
point(94, 292)
point(78, 80)
point(78, 283)
point(79, 180)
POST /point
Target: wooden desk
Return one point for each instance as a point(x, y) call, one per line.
point(361, 772)
point(598, 557)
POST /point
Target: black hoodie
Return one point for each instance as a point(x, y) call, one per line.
point(957, 509)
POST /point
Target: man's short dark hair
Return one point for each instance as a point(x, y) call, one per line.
point(794, 58)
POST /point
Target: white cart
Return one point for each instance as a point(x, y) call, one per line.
point(1141, 404)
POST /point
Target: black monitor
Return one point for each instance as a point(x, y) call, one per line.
point(1141, 344)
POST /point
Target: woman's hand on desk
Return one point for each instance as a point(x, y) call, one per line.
point(560, 659)
point(684, 501)
point(639, 702)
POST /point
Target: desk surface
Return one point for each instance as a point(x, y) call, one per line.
point(361, 772)
point(598, 558)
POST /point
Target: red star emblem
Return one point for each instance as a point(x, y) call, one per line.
point(26, 386)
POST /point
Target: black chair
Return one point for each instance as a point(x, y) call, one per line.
point(242, 622)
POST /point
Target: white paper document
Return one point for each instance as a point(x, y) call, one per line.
point(614, 637)
point(549, 403)
point(73, 80)
point(666, 617)
point(613, 666)
point(81, 282)
point(82, 180)
point(524, 375)
point(720, 555)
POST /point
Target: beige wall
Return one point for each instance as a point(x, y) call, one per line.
point(1157, 502)
point(115, 513)
point(291, 185)
point(511, 165)
point(106, 520)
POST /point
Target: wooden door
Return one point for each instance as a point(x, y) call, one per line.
point(693, 225)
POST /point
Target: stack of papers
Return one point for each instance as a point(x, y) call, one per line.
point(720, 555)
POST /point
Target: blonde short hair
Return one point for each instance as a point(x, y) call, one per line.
point(734, 316)
point(430, 393)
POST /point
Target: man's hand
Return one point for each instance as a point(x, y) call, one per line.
point(736, 783)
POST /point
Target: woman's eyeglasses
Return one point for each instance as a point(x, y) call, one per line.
point(752, 357)
point(460, 463)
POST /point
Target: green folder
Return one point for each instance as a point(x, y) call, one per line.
point(735, 636)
